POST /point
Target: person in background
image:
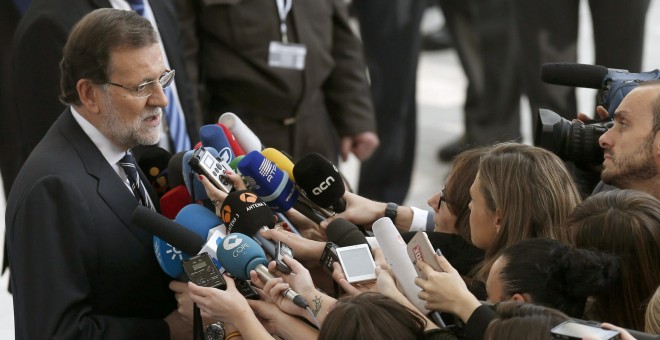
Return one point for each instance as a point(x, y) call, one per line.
point(80, 268)
point(624, 223)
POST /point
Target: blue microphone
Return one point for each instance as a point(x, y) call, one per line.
point(240, 254)
point(268, 181)
point(213, 136)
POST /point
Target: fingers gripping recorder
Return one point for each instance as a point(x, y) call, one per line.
point(240, 254)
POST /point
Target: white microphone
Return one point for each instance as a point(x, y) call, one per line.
point(244, 136)
point(396, 253)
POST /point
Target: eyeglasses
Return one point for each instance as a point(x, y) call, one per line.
point(146, 89)
point(442, 197)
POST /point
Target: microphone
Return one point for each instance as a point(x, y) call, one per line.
point(268, 181)
point(281, 161)
point(240, 254)
point(572, 74)
point(319, 177)
point(394, 249)
point(195, 187)
point(174, 200)
point(172, 242)
point(174, 170)
point(153, 161)
point(244, 212)
point(213, 136)
point(238, 150)
point(344, 233)
point(245, 137)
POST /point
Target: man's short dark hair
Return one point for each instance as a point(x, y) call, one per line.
point(92, 39)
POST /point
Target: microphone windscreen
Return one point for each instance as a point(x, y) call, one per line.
point(281, 161)
point(572, 74)
point(319, 180)
point(174, 200)
point(245, 137)
point(192, 182)
point(213, 136)
point(168, 230)
point(268, 181)
point(238, 150)
point(344, 233)
point(239, 254)
point(198, 219)
point(244, 212)
point(153, 161)
point(174, 170)
point(395, 250)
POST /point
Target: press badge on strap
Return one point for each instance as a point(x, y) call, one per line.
point(286, 55)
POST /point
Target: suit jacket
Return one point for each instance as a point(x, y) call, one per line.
point(329, 98)
point(80, 269)
point(37, 52)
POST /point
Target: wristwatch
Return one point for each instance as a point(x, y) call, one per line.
point(390, 211)
point(215, 331)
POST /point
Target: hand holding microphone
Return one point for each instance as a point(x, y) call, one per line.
point(359, 211)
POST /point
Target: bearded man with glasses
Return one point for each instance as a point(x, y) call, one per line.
point(80, 268)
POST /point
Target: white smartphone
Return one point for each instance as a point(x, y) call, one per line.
point(420, 248)
point(357, 263)
point(572, 329)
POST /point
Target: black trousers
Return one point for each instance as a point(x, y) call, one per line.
point(390, 31)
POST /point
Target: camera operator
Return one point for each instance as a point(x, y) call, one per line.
point(632, 145)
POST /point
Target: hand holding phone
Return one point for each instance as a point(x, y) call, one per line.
point(357, 263)
point(283, 250)
point(420, 248)
point(578, 329)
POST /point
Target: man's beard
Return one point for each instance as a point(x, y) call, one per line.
point(626, 171)
point(132, 133)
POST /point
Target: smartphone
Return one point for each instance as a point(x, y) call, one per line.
point(202, 271)
point(203, 163)
point(357, 263)
point(573, 329)
point(281, 251)
point(420, 248)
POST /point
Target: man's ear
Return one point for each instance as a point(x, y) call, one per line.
point(90, 95)
point(521, 298)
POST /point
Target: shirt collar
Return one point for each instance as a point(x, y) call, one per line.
point(111, 152)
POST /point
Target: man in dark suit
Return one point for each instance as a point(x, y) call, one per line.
point(80, 269)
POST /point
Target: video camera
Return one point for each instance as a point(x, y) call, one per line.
point(576, 141)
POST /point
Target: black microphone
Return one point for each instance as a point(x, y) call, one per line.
point(169, 231)
point(320, 181)
point(175, 170)
point(244, 212)
point(344, 233)
point(572, 74)
point(153, 161)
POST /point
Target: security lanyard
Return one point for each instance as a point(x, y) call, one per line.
point(283, 8)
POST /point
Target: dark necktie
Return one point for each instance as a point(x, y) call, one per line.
point(130, 168)
point(137, 6)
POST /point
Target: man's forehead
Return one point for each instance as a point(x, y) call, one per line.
point(638, 102)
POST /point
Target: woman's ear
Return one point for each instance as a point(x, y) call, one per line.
point(497, 221)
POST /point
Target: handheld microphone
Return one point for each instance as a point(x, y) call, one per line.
point(174, 200)
point(244, 212)
point(320, 181)
point(396, 253)
point(238, 150)
point(195, 187)
point(268, 181)
point(213, 136)
point(240, 254)
point(572, 74)
point(174, 170)
point(344, 233)
point(153, 161)
point(280, 160)
point(245, 137)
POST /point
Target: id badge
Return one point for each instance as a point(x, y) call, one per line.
point(284, 55)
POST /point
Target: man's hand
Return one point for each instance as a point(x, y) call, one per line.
point(361, 145)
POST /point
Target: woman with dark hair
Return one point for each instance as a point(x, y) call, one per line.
point(625, 223)
point(518, 320)
point(549, 273)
